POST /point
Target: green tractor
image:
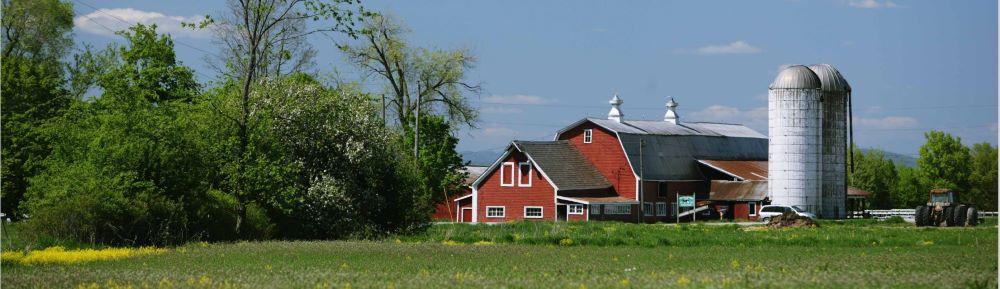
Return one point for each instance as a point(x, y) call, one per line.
point(943, 211)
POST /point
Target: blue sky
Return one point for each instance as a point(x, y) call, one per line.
point(914, 66)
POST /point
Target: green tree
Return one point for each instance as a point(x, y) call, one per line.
point(125, 168)
point(911, 190)
point(945, 163)
point(876, 174)
point(431, 79)
point(36, 35)
point(440, 165)
point(983, 179)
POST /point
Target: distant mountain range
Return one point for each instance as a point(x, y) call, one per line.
point(898, 158)
point(480, 158)
point(485, 158)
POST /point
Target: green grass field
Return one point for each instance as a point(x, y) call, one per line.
point(538, 255)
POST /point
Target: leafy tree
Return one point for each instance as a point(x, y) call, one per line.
point(983, 179)
point(430, 79)
point(945, 163)
point(125, 168)
point(876, 174)
point(440, 165)
point(260, 37)
point(911, 190)
point(36, 34)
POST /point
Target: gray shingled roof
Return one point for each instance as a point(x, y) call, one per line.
point(563, 164)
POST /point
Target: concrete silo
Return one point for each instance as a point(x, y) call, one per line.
point(835, 96)
point(795, 132)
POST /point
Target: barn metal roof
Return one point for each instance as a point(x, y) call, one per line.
point(666, 158)
point(796, 77)
point(743, 170)
point(738, 191)
point(473, 173)
point(830, 78)
point(856, 192)
point(566, 167)
point(599, 200)
point(667, 128)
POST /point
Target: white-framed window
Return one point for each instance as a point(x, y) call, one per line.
point(524, 174)
point(617, 209)
point(752, 208)
point(507, 174)
point(574, 209)
point(588, 135)
point(595, 209)
point(673, 210)
point(661, 209)
point(647, 209)
point(532, 212)
point(495, 211)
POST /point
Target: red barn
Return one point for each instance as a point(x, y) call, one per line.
point(611, 169)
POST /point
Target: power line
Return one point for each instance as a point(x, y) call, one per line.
point(129, 24)
point(567, 106)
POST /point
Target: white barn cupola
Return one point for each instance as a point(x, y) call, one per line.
point(671, 115)
point(616, 113)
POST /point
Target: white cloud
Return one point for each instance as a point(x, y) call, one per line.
point(737, 47)
point(889, 122)
point(500, 110)
point(871, 4)
point(117, 19)
point(516, 99)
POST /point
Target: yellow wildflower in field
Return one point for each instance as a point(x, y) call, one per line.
point(683, 281)
point(735, 264)
point(483, 243)
point(450, 243)
point(11, 256)
point(59, 255)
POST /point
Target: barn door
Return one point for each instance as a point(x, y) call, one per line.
point(561, 213)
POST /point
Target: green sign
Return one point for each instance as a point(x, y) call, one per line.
point(685, 201)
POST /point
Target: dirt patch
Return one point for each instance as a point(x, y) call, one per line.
point(791, 220)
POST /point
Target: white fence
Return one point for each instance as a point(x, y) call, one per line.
point(905, 213)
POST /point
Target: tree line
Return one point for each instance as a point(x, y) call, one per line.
point(944, 162)
point(124, 145)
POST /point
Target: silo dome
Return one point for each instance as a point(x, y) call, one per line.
point(796, 77)
point(830, 78)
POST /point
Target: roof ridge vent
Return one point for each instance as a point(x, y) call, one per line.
point(616, 113)
point(671, 115)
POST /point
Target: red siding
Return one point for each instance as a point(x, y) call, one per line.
point(515, 198)
point(606, 154)
point(446, 210)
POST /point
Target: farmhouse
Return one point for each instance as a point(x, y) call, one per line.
point(617, 169)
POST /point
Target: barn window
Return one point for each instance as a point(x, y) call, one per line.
point(588, 135)
point(661, 209)
point(494, 212)
point(532, 212)
point(617, 209)
point(647, 209)
point(507, 174)
point(595, 209)
point(752, 207)
point(575, 209)
point(524, 174)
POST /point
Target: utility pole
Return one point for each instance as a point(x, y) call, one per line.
point(642, 185)
point(416, 132)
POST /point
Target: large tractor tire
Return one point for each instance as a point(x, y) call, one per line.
point(920, 217)
point(972, 218)
point(961, 212)
point(946, 216)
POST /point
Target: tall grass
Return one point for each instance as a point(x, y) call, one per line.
point(695, 235)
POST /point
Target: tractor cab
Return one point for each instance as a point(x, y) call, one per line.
point(941, 197)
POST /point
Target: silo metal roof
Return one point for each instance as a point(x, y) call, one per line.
point(830, 77)
point(796, 77)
